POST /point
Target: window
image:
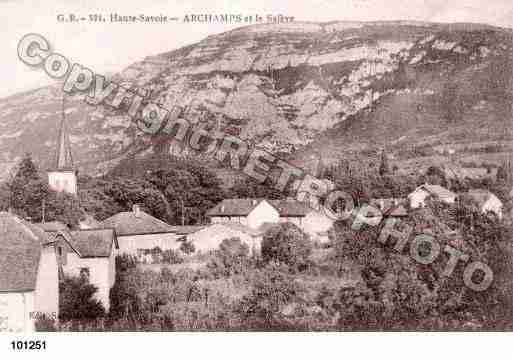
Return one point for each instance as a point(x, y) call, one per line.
point(84, 271)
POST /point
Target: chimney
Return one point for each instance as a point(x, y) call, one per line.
point(136, 210)
point(254, 202)
point(222, 209)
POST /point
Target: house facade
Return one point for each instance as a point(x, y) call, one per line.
point(254, 213)
point(29, 285)
point(246, 211)
point(209, 238)
point(90, 252)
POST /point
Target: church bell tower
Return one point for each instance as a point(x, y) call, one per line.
point(62, 177)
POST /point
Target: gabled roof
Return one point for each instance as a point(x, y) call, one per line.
point(241, 207)
point(130, 223)
point(20, 252)
point(234, 207)
point(94, 242)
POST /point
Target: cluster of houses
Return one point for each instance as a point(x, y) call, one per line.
point(35, 256)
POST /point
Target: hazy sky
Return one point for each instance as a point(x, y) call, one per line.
point(111, 47)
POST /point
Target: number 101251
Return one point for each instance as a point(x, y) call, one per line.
point(28, 345)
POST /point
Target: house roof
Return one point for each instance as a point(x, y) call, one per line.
point(130, 223)
point(241, 207)
point(237, 207)
point(94, 242)
point(20, 252)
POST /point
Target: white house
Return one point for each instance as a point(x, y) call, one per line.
point(246, 211)
point(418, 197)
point(487, 201)
point(137, 232)
point(209, 238)
point(29, 284)
point(90, 252)
point(254, 213)
point(315, 223)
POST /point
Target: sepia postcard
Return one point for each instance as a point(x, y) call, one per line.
point(275, 166)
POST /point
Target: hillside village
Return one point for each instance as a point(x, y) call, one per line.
point(39, 256)
point(105, 228)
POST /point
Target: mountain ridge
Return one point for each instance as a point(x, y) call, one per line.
point(291, 92)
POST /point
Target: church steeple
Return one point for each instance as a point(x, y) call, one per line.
point(62, 177)
point(63, 156)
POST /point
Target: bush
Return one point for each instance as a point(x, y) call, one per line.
point(76, 299)
point(286, 243)
point(272, 290)
point(187, 247)
point(171, 256)
point(231, 258)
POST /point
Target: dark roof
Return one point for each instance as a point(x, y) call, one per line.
point(291, 208)
point(94, 242)
point(237, 207)
point(20, 252)
point(240, 207)
point(128, 223)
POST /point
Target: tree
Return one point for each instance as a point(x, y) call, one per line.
point(383, 166)
point(230, 258)
point(288, 244)
point(76, 299)
point(63, 207)
point(27, 190)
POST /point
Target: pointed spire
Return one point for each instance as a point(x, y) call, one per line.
point(63, 157)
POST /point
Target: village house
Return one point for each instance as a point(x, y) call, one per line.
point(315, 223)
point(29, 285)
point(89, 252)
point(487, 201)
point(418, 197)
point(209, 238)
point(137, 232)
point(246, 211)
point(254, 213)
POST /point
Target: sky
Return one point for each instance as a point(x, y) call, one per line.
point(110, 47)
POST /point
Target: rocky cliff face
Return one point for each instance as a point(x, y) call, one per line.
point(296, 89)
